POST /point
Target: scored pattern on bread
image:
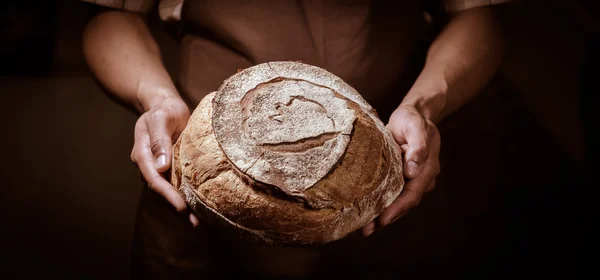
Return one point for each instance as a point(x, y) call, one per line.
point(287, 153)
point(266, 131)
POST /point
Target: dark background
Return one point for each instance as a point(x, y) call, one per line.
point(69, 191)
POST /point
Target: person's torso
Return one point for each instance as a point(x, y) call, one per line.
point(374, 46)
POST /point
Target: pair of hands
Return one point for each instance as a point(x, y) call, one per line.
point(417, 136)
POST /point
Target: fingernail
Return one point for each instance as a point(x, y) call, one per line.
point(194, 220)
point(412, 168)
point(161, 161)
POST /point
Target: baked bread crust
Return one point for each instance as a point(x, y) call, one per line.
point(286, 153)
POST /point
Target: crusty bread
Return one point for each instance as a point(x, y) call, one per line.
point(286, 153)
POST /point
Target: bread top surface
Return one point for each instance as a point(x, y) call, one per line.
point(284, 123)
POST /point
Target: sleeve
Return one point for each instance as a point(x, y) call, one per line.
point(136, 6)
point(169, 10)
point(461, 5)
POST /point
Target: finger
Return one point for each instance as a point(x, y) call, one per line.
point(146, 164)
point(368, 229)
point(158, 184)
point(403, 212)
point(415, 188)
point(410, 198)
point(194, 220)
point(160, 132)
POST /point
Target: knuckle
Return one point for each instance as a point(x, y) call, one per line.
point(421, 148)
point(156, 145)
point(159, 114)
point(420, 152)
point(417, 124)
point(163, 115)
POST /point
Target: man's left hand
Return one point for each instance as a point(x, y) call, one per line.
point(419, 140)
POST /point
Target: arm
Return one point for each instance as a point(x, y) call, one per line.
point(126, 61)
point(459, 63)
point(124, 58)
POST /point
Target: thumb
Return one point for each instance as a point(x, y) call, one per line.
point(417, 141)
point(160, 143)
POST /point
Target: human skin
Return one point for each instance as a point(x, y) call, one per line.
point(125, 59)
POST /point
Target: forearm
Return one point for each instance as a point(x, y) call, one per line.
point(123, 56)
point(460, 62)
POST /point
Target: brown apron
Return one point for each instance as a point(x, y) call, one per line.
point(378, 49)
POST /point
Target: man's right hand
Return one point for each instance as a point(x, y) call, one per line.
point(126, 60)
point(155, 132)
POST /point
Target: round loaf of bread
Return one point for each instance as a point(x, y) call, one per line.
point(286, 153)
